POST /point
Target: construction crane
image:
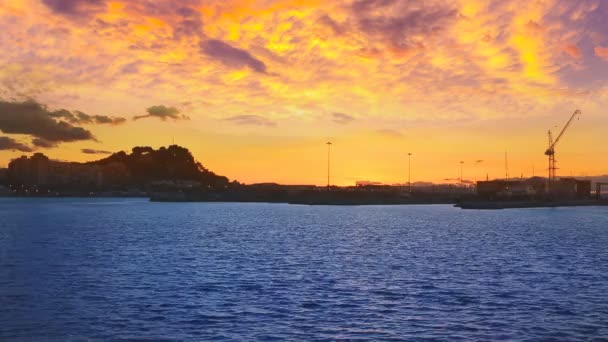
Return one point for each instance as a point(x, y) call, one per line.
point(550, 152)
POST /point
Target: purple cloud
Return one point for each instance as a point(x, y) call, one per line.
point(190, 23)
point(402, 23)
point(231, 56)
point(75, 7)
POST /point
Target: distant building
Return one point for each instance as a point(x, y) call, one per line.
point(3, 176)
point(115, 174)
point(368, 183)
point(510, 188)
point(536, 187)
point(288, 189)
point(29, 171)
point(39, 171)
point(571, 188)
point(4, 191)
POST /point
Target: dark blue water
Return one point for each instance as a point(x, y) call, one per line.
point(115, 269)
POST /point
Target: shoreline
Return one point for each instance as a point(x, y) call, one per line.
point(529, 204)
point(326, 201)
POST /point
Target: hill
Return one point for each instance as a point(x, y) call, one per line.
point(145, 165)
point(142, 169)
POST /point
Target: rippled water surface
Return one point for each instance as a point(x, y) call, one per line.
point(116, 269)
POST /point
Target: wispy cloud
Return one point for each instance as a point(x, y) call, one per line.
point(93, 151)
point(164, 113)
point(387, 132)
point(39, 142)
point(250, 120)
point(78, 117)
point(342, 118)
point(7, 143)
point(601, 52)
point(573, 51)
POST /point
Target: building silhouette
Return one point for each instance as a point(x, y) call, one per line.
point(38, 171)
point(535, 187)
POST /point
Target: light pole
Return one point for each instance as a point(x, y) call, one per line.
point(328, 161)
point(461, 167)
point(409, 172)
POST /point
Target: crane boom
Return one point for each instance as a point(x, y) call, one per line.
point(551, 148)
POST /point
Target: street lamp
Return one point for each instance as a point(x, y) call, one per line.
point(329, 143)
point(461, 167)
point(409, 172)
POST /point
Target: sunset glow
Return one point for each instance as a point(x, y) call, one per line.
point(256, 88)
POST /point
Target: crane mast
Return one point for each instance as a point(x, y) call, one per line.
point(550, 152)
point(552, 164)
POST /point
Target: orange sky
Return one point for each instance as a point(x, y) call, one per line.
point(264, 84)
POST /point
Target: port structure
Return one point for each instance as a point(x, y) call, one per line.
point(550, 152)
point(598, 190)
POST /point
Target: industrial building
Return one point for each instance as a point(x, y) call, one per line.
point(537, 187)
point(534, 188)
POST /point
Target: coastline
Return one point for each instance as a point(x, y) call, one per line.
point(323, 199)
point(499, 205)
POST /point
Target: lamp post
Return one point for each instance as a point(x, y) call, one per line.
point(409, 172)
point(329, 143)
point(461, 167)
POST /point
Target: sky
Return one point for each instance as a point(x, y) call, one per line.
point(256, 88)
